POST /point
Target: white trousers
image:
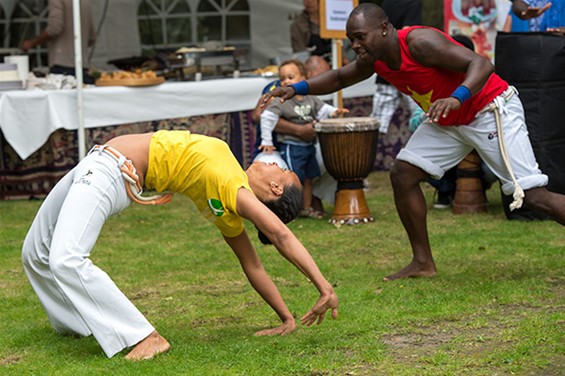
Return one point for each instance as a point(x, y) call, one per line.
point(80, 298)
point(435, 148)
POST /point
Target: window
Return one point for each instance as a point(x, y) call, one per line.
point(163, 24)
point(24, 19)
point(170, 24)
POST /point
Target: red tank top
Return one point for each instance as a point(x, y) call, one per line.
point(428, 84)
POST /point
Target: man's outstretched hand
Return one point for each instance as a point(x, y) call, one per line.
point(284, 92)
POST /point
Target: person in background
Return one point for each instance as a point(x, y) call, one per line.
point(81, 299)
point(401, 13)
point(299, 155)
point(315, 65)
point(59, 37)
point(468, 107)
point(305, 32)
point(525, 11)
point(551, 18)
point(324, 187)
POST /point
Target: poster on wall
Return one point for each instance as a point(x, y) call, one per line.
point(475, 19)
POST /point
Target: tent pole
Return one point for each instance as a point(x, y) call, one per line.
point(79, 78)
point(337, 46)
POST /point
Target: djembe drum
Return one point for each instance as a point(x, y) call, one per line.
point(349, 148)
point(469, 193)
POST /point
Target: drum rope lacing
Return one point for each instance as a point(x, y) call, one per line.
point(131, 179)
point(497, 106)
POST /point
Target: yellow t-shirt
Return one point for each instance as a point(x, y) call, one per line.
point(202, 168)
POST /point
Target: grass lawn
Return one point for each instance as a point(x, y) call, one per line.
point(495, 308)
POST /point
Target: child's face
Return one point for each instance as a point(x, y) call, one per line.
point(290, 74)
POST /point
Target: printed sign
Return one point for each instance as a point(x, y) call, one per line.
point(333, 17)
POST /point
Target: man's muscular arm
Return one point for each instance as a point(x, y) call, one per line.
point(432, 49)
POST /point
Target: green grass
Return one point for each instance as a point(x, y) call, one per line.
point(495, 308)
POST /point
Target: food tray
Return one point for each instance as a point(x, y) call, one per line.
point(132, 82)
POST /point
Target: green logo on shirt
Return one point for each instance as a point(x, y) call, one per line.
point(216, 207)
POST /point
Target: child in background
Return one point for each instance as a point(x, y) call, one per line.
point(299, 155)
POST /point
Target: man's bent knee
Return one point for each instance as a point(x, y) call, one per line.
point(403, 173)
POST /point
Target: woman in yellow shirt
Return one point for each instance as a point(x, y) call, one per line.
point(79, 298)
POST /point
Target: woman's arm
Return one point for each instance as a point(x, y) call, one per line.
point(290, 247)
point(259, 279)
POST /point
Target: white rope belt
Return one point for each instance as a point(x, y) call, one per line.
point(497, 106)
point(131, 179)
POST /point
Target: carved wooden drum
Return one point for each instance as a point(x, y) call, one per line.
point(349, 148)
point(470, 196)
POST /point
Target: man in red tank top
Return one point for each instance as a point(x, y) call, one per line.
point(468, 106)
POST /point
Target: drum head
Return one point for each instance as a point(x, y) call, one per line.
point(352, 124)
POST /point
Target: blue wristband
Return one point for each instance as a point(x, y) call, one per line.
point(301, 88)
point(462, 93)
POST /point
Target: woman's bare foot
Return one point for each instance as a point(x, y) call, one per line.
point(150, 346)
point(414, 269)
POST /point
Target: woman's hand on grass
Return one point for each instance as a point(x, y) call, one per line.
point(318, 312)
point(285, 328)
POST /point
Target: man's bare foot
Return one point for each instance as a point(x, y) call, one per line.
point(414, 269)
point(150, 346)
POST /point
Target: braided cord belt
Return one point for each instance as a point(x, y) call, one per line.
point(131, 179)
point(497, 107)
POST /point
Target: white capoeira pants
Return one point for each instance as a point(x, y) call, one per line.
point(80, 298)
point(435, 148)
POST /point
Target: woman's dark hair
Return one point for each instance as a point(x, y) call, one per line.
point(286, 207)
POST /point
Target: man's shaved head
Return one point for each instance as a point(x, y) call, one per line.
point(370, 13)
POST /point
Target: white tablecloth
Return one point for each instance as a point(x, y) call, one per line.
point(27, 118)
